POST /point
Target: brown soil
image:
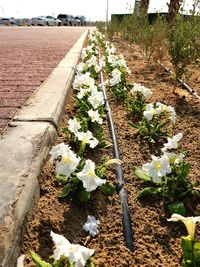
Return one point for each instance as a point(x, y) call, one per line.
point(156, 241)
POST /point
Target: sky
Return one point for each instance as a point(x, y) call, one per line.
point(156, 5)
point(93, 10)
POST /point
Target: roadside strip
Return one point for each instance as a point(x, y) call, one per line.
point(24, 148)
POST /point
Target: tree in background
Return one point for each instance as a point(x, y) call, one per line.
point(174, 6)
point(144, 5)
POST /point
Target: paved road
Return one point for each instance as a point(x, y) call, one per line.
point(27, 57)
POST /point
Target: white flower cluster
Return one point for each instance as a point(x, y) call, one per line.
point(113, 60)
point(77, 254)
point(91, 62)
point(158, 108)
point(116, 77)
point(90, 49)
point(83, 80)
point(146, 92)
point(89, 92)
point(87, 137)
point(160, 166)
point(67, 162)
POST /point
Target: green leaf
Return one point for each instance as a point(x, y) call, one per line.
point(108, 188)
point(105, 144)
point(66, 190)
point(149, 191)
point(90, 263)
point(61, 178)
point(177, 207)
point(142, 175)
point(63, 262)
point(39, 262)
point(187, 249)
point(197, 253)
point(151, 140)
point(185, 170)
point(162, 125)
point(134, 125)
point(84, 196)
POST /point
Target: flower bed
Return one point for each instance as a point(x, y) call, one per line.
point(157, 241)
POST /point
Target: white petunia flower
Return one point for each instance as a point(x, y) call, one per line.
point(91, 62)
point(158, 168)
point(160, 107)
point(82, 80)
point(74, 125)
point(20, 261)
point(95, 116)
point(172, 113)
point(96, 99)
point(97, 68)
point(59, 150)
point(68, 163)
point(190, 222)
point(150, 111)
point(169, 109)
point(80, 68)
point(88, 138)
point(91, 225)
point(83, 91)
point(116, 77)
point(112, 60)
point(175, 158)
point(172, 143)
point(84, 54)
point(88, 177)
point(77, 254)
point(146, 92)
point(112, 49)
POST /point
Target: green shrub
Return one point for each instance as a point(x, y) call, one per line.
point(183, 45)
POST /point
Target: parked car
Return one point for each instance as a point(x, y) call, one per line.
point(77, 21)
point(7, 21)
point(67, 20)
point(23, 22)
point(82, 20)
point(39, 21)
point(53, 21)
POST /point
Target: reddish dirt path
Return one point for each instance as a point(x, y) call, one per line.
point(27, 57)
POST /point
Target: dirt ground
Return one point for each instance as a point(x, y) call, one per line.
point(156, 241)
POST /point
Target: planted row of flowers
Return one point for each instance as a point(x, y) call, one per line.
point(166, 174)
point(78, 175)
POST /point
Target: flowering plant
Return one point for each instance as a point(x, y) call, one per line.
point(66, 254)
point(136, 98)
point(80, 177)
point(90, 113)
point(190, 248)
point(158, 119)
point(90, 65)
point(88, 131)
point(118, 84)
point(166, 176)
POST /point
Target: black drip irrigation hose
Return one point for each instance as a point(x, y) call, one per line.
point(126, 219)
point(185, 85)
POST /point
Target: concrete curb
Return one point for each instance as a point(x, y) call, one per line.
point(24, 149)
point(47, 103)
